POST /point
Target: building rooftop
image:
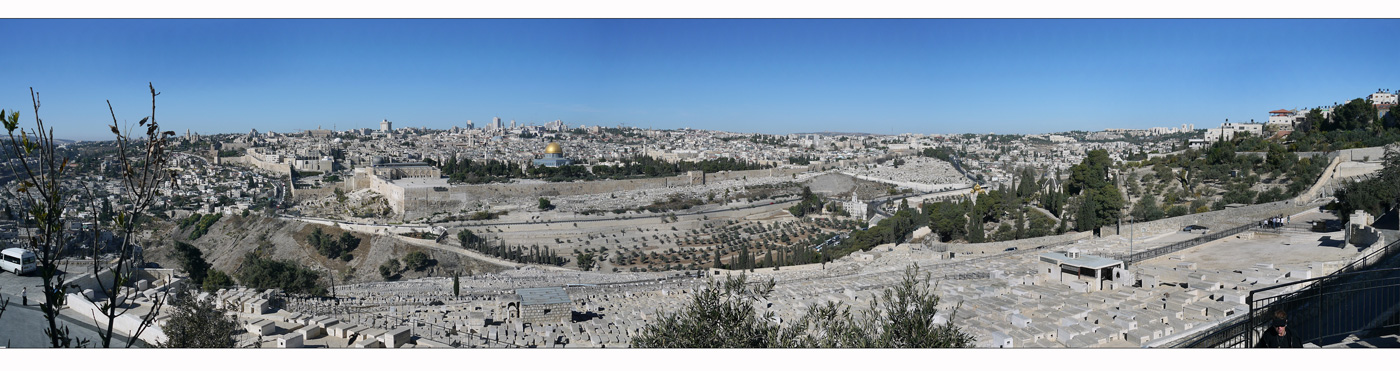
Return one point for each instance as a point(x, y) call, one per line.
point(542, 295)
point(1087, 261)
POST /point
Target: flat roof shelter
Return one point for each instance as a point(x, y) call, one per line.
point(1075, 267)
point(542, 305)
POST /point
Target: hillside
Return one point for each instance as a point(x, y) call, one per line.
point(232, 237)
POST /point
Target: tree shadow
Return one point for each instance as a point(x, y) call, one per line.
point(1327, 241)
point(1390, 221)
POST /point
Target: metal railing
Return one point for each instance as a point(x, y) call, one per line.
point(1183, 245)
point(1331, 307)
point(1360, 298)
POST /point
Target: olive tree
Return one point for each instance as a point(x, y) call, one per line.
point(724, 315)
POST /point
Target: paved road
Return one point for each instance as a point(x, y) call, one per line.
point(23, 326)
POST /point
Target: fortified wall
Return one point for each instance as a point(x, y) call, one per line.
point(277, 168)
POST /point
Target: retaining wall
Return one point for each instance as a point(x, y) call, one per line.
point(1216, 220)
point(996, 247)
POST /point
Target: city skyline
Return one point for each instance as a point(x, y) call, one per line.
point(767, 76)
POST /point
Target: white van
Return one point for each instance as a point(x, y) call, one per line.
point(18, 261)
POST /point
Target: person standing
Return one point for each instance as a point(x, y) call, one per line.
point(24, 296)
point(1278, 336)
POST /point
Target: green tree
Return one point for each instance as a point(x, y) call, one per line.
point(584, 259)
point(975, 232)
point(1101, 202)
point(468, 239)
point(417, 261)
point(262, 273)
point(216, 280)
point(545, 205)
point(1177, 210)
point(1313, 120)
point(456, 284)
point(1091, 173)
point(348, 241)
point(1357, 114)
point(1146, 209)
point(721, 315)
point(1374, 195)
point(1391, 120)
point(197, 323)
point(1004, 232)
point(389, 268)
point(192, 261)
point(724, 315)
point(902, 317)
point(1040, 225)
point(948, 220)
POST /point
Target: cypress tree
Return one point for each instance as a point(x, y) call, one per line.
point(456, 284)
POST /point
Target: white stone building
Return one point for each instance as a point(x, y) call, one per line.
point(1283, 119)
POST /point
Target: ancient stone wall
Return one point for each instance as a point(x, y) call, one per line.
point(277, 168)
point(326, 189)
point(539, 314)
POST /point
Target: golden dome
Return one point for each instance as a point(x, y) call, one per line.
point(553, 148)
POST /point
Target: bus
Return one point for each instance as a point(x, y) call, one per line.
point(18, 261)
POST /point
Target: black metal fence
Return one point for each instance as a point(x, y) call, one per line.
point(1183, 245)
point(1361, 299)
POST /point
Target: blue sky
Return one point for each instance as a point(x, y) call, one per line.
point(769, 76)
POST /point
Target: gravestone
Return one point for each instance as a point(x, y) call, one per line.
point(293, 340)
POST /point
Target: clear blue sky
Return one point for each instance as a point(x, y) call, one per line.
point(769, 76)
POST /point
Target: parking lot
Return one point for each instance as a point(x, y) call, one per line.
point(10, 285)
point(23, 326)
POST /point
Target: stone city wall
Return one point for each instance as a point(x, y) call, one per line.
point(255, 161)
point(326, 190)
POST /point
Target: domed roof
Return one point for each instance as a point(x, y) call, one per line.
point(553, 148)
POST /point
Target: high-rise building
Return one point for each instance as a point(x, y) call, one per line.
point(386, 126)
